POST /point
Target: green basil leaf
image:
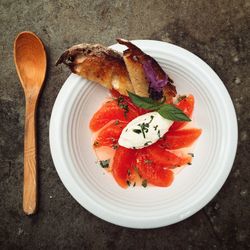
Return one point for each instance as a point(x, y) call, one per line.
point(167, 111)
point(170, 112)
point(144, 102)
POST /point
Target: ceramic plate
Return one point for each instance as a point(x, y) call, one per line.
point(151, 207)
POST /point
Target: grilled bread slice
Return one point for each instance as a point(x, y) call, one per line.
point(108, 68)
point(99, 64)
point(135, 68)
point(136, 60)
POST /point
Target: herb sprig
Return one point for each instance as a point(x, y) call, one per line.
point(143, 127)
point(167, 111)
point(123, 104)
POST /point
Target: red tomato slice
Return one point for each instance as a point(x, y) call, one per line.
point(114, 93)
point(153, 172)
point(123, 166)
point(112, 111)
point(166, 158)
point(179, 138)
point(187, 106)
point(109, 135)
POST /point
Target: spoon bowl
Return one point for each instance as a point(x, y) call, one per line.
point(30, 60)
point(31, 63)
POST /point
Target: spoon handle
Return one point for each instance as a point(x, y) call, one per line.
point(30, 161)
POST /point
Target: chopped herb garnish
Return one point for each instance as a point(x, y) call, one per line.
point(128, 182)
point(189, 163)
point(123, 104)
point(120, 100)
point(143, 132)
point(147, 143)
point(117, 122)
point(137, 131)
point(148, 161)
point(144, 128)
point(126, 130)
point(134, 147)
point(151, 119)
point(134, 184)
point(129, 173)
point(105, 163)
point(155, 127)
point(191, 154)
point(159, 133)
point(144, 183)
point(115, 146)
point(96, 143)
point(181, 97)
point(137, 170)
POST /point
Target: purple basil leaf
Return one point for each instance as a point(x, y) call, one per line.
point(156, 80)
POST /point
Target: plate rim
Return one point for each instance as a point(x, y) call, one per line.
point(54, 140)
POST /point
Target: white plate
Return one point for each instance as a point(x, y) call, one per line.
point(193, 188)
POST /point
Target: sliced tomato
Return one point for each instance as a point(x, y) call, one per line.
point(109, 135)
point(179, 138)
point(187, 106)
point(114, 93)
point(153, 172)
point(164, 157)
point(123, 166)
point(117, 95)
point(112, 111)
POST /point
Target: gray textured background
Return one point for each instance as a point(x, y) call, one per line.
point(217, 31)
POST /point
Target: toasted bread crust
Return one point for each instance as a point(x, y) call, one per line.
point(135, 68)
point(136, 75)
point(99, 64)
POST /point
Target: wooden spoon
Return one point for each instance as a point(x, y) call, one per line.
point(30, 61)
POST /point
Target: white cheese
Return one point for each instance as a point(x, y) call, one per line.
point(144, 130)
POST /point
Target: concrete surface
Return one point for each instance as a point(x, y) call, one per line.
point(217, 31)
